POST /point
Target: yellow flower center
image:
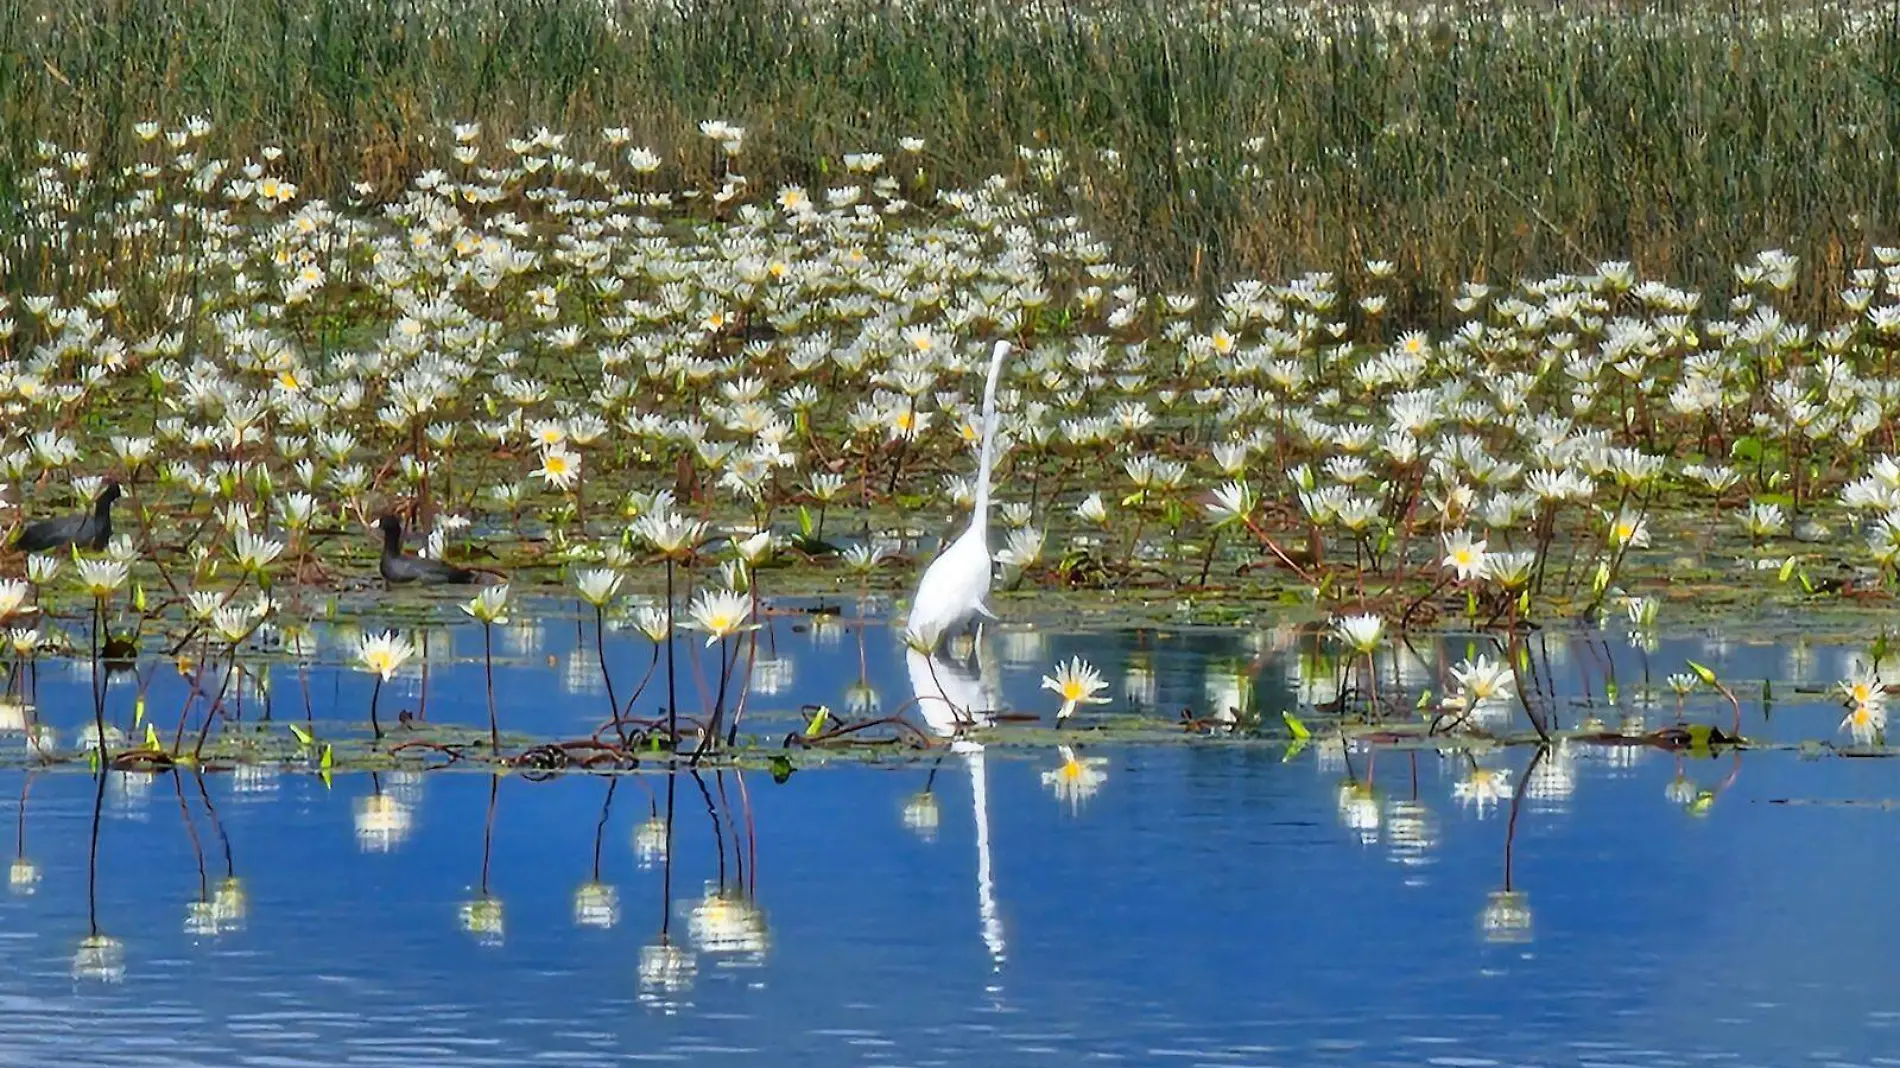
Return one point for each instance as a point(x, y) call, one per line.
point(1070, 770)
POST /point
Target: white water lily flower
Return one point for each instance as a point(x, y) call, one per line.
point(12, 596)
point(559, 467)
point(1484, 679)
point(1023, 548)
point(720, 613)
point(1464, 555)
point(1077, 682)
point(102, 578)
point(383, 654)
point(652, 622)
point(254, 552)
point(233, 623)
point(670, 533)
point(1361, 633)
point(598, 585)
point(1231, 503)
point(1863, 688)
point(490, 605)
point(42, 568)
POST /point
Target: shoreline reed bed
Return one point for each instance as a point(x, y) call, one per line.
point(1208, 141)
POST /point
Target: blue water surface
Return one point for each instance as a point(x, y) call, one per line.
point(1219, 903)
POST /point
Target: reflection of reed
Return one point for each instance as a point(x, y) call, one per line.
point(482, 916)
point(24, 875)
point(667, 969)
point(1507, 912)
point(100, 956)
point(596, 903)
point(229, 902)
point(726, 920)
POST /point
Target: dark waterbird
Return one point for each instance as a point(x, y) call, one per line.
point(395, 566)
point(88, 529)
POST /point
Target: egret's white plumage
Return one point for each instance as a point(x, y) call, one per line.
point(955, 584)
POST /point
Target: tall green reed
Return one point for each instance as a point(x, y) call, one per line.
point(1212, 140)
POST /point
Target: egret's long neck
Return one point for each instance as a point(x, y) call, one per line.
point(980, 515)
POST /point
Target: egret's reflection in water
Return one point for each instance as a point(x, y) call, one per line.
point(953, 695)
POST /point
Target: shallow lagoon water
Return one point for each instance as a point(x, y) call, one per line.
point(1209, 903)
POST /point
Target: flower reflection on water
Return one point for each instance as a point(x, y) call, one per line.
point(1506, 917)
point(382, 822)
point(667, 971)
point(1076, 779)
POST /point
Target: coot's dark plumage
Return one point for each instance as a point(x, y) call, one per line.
point(396, 567)
point(89, 529)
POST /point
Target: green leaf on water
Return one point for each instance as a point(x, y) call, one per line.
point(303, 736)
point(781, 769)
point(1294, 750)
point(1300, 731)
point(328, 759)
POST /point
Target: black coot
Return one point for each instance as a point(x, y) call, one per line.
point(396, 567)
point(89, 529)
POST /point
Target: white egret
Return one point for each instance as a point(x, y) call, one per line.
point(955, 584)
